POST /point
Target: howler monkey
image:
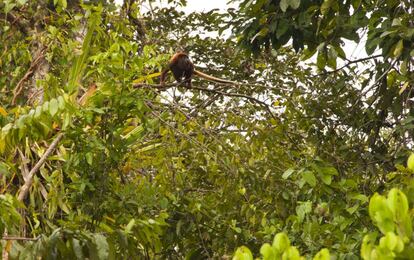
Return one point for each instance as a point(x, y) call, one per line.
point(182, 67)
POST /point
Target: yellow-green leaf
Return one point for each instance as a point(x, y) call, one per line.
point(243, 253)
point(310, 178)
point(3, 111)
point(410, 162)
point(281, 242)
point(268, 252)
point(398, 48)
point(53, 107)
point(398, 203)
point(322, 255)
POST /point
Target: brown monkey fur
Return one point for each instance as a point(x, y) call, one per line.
point(182, 67)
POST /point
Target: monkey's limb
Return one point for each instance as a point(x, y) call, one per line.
point(211, 78)
point(163, 76)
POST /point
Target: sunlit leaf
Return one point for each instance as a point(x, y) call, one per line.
point(243, 253)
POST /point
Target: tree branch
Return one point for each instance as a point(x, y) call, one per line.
point(166, 86)
point(349, 64)
point(30, 71)
point(23, 25)
point(24, 190)
point(157, 86)
point(20, 238)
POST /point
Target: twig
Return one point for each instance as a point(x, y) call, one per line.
point(25, 169)
point(139, 24)
point(24, 190)
point(166, 86)
point(205, 104)
point(19, 87)
point(262, 103)
point(349, 64)
point(195, 141)
point(20, 238)
point(157, 86)
point(201, 238)
point(162, 87)
point(16, 20)
point(363, 93)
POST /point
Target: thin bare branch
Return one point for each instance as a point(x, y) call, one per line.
point(250, 98)
point(19, 87)
point(20, 238)
point(349, 64)
point(24, 190)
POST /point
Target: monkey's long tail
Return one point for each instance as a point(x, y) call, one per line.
point(211, 78)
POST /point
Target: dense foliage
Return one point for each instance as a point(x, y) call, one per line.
point(98, 161)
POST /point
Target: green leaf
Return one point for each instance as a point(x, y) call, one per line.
point(102, 246)
point(322, 255)
point(410, 162)
point(326, 5)
point(284, 4)
point(303, 209)
point(328, 170)
point(360, 197)
point(332, 56)
point(340, 52)
point(356, 3)
point(45, 107)
point(321, 60)
point(389, 241)
point(263, 32)
point(22, 2)
point(398, 48)
point(287, 173)
point(61, 102)
point(4, 169)
point(130, 225)
point(404, 68)
point(405, 227)
point(368, 244)
point(53, 107)
point(282, 27)
point(8, 6)
point(281, 242)
point(294, 4)
point(386, 33)
point(327, 179)
point(308, 53)
point(89, 158)
point(400, 245)
point(381, 214)
point(292, 253)
point(396, 22)
point(351, 210)
point(243, 253)
point(391, 78)
point(310, 178)
point(38, 112)
point(398, 203)
point(66, 120)
point(80, 62)
point(63, 3)
point(77, 249)
point(268, 252)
